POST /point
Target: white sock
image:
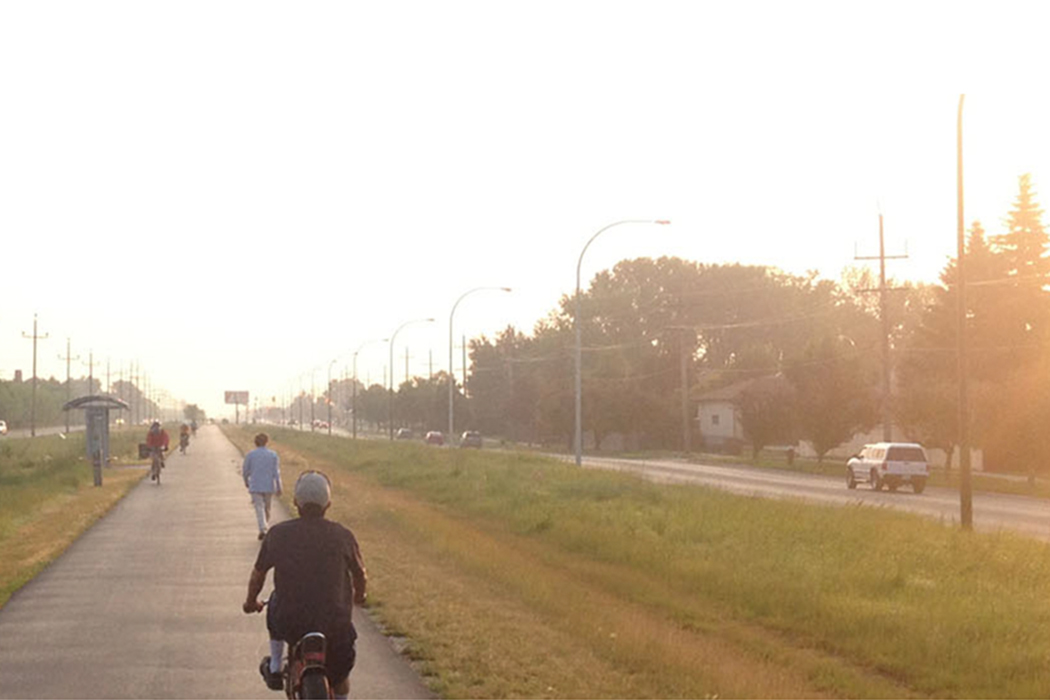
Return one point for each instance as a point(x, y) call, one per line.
point(276, 655)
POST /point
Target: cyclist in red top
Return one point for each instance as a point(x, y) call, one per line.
point(157, 440)
point(157, 436)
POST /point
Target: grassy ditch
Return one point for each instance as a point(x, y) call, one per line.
point(512, 575)
point(48, 498)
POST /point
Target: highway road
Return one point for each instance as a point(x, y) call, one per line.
point(43, 430)
point(147, 603)
point(992, 512)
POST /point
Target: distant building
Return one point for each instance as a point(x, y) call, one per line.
point(718, 417)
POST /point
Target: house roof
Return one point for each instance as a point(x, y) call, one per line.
point(732, 392)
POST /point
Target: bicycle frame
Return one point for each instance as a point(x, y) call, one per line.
point(156, 462)
point(305, 674)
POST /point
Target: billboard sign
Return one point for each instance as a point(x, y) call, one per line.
point(237, 397)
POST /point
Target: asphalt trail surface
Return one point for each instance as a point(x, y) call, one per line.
point(146, 604)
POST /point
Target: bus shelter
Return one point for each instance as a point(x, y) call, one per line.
point(96, 416)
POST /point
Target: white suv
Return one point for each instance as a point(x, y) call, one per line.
point(889, 464)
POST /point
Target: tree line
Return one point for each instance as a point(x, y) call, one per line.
point(810, 348)
point(16, 400)
point(806, 350)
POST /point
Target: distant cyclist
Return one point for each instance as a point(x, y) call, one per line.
point(318, 576)
point(157, 440)
point(184, 437)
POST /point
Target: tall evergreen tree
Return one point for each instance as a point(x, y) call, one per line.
point(1024, 253)
point(1024, 245)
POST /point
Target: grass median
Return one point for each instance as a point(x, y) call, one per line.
point(511, 575)
point(48, 498)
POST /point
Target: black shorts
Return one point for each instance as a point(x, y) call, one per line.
point(341, 653)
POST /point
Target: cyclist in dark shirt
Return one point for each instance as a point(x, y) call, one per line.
point(318, 577)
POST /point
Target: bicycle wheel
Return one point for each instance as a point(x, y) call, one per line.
point(314, 686)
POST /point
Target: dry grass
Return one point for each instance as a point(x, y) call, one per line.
point(492, 609)
point(47, 499)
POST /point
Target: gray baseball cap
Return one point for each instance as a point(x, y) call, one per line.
point(313, 487)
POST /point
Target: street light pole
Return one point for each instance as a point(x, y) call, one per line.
point(390, 394)
point(313, 397)
point(451, 375)
point(578, 439)
point(330, 396)
point(354, 407)
point(301, 392)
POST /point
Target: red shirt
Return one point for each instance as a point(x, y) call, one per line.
point(157, 439)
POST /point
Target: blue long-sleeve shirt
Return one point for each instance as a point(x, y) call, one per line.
point(262, 471)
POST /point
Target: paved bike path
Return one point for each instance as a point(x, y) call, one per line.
point(146, 604)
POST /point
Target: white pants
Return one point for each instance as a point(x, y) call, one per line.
point(261, 501)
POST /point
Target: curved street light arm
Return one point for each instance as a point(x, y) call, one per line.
point(578, 437)
point(354, 407)
point(390, 395)
point(451, 382)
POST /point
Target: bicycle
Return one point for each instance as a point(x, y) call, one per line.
point(305, 673)
point(156, 464)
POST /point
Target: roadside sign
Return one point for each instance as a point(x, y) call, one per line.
point(237, 397)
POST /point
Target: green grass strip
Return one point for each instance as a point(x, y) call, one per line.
point(936, 610)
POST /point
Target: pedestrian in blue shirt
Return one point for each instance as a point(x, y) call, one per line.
point(262, 478)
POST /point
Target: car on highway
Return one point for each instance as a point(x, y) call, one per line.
point(889, 464)
point(434, 437)
point(3, 427)
point(470, 438)
point(403, 434)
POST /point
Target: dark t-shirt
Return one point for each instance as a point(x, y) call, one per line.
point(315, 563)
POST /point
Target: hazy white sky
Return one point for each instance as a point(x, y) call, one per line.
point(237, 193)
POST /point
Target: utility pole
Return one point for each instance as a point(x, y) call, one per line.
point(965, 483)
point(683, 372)
point(91, 372)
point(687, 437)
point(883, 290)
point(69, 387)
point(32, 409)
